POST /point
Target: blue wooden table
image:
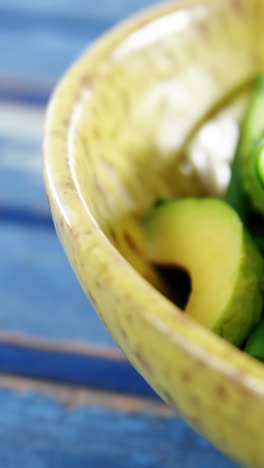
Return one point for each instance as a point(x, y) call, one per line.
point(68, 397)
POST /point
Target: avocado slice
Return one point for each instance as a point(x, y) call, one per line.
point(206, 237)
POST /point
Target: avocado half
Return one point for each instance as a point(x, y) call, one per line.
point(206, 238)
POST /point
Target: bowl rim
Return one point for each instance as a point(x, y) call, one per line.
point(66, 200)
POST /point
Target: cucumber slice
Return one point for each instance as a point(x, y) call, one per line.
point(235, 195)
point(252, 172)
point(255, 343)
point(253, 124)
point(253, 176)
point(239, 192)
point(259, 162)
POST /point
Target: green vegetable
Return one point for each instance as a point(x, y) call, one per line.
point(255, 226)
point(235, 195)
point(259, 162)
point(255, 343)
point(253, 176)
point(239, 192)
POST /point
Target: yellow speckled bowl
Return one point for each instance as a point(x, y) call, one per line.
point(109, 151)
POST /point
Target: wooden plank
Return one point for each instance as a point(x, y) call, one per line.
point(40, 295)
point(22, 193)
point(52, 35)
point(51, 49)
point(60, 31)
point(107, 372)
point(25, 91)
point(40, 430)
point(103, 10)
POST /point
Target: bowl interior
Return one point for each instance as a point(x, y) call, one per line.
point(143, 102)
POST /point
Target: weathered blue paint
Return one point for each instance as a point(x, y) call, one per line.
point(24, 95)
point(39, 293)
point(20, 215)
point(105, 10)
point(93, 371)
point(53, 36)
point(37, 431)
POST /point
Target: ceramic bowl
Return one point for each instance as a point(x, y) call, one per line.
point(117, 127)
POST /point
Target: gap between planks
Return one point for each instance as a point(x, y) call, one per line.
point(63, 346)
point(72, 397)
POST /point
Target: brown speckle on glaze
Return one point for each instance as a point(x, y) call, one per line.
point(130, 242)
point(92, 299)
point(61, 222)
point(129, 318)
point(201, 27)
point(201, 363)
point(66, 123)
point(186, 377)
point(138, 355)
point(102, 320)
point(86, 81)
point(74, 233)
point(113, 235)
point(221, 392)
point(98, 284)
point(123, 334)
point(88, 233)
point(237, 5)
point(136, 217)
point(69, 185)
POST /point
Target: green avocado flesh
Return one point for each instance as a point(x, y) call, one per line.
point(206, 238)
